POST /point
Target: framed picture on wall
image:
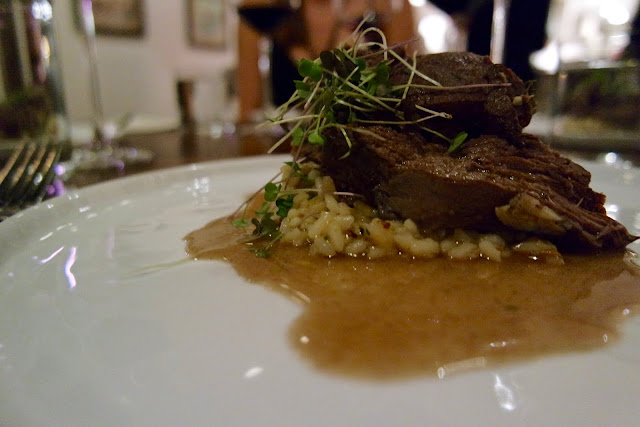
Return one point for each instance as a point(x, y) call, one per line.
point(206, 26)
point(116, 17)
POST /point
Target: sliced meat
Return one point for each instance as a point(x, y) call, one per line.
point(490, 184)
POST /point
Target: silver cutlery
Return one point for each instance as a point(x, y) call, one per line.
point(25, 177)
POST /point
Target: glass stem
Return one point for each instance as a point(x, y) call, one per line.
point(499, 30)
point(89, 32)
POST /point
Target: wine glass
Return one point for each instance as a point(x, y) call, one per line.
point(265, 17)
point(499, 30)
point(102, 152)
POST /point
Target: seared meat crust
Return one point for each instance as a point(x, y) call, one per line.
point(501, 110)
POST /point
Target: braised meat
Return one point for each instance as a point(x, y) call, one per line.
point(499, 179)
point(488, 98)
point(487, 185)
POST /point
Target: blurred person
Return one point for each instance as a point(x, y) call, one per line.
point(306, 31)
point(526, 29)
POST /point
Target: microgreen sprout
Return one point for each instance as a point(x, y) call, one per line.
point(342, 90)
point(239, 223)
point(457, 141)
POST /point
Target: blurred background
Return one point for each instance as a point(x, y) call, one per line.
point(172, 61)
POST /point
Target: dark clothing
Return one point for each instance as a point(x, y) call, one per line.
point(283, 72)
point(526, 25)
point(632, 50)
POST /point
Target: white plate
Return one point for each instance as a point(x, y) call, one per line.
point(86, 341)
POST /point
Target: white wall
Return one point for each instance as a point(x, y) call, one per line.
point(138, 74)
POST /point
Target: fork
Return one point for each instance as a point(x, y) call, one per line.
point(26, 175)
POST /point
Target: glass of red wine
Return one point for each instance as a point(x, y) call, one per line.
point(266, 17)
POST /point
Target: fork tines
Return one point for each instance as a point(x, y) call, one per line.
point(27, 173)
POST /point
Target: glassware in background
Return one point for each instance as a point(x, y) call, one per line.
point(597, 106)
point(209, 106)
point(588, 93)
point(265, 17)
point(31, 91)
point(103, 151)
point(499, 29)
point(223, 123)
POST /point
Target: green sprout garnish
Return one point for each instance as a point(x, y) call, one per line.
point(457, 141)
point(341, 90)
point(239, 223)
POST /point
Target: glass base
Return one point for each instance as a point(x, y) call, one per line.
point(108, 158)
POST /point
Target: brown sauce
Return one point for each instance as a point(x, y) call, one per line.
point(398, 317)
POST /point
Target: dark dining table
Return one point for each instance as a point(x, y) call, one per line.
point(182, 146)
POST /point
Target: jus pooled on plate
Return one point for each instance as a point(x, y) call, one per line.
point(423, 155)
